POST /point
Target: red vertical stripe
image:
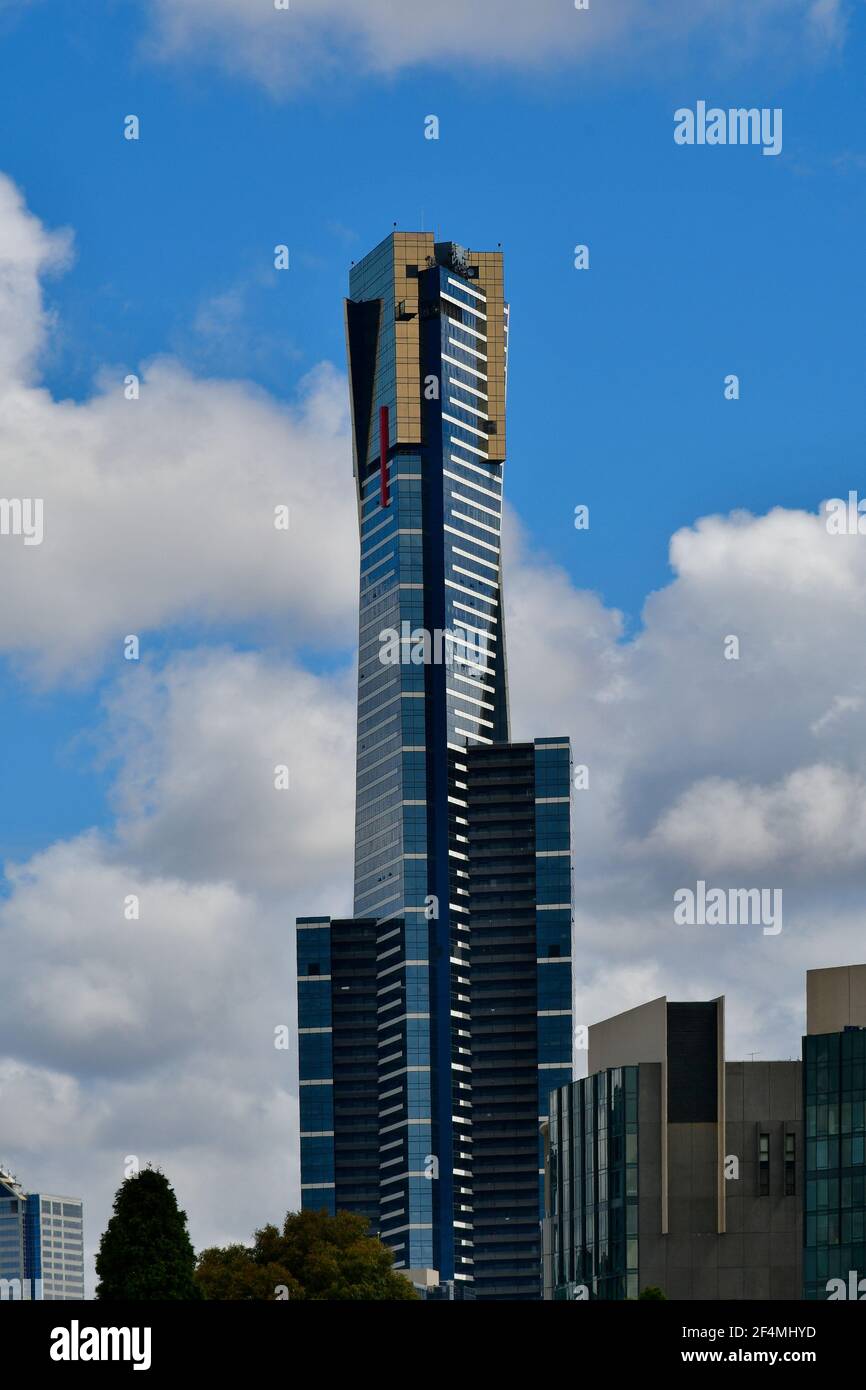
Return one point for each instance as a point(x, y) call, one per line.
point(384, 433)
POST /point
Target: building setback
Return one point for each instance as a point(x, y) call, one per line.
point(668, 1167)
point(434, 1022)
point(520, 920)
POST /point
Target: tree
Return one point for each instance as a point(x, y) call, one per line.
point(145, 1251)
point(315, 1257)
point(233, 1273)
point(653, 1292)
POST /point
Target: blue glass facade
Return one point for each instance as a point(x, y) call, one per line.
point(338, 1066)
point(426, 330)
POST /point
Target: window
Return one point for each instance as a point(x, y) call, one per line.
point(790, 1165)
point(763, 1165)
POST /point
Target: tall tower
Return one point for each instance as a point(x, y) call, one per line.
point(439, 841)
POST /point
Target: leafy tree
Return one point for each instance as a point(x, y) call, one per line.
point(233, 1273)
point(315, 1257)
point(145, 1251)
point(652, 1292)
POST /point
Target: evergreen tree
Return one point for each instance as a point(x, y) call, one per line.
point(145, 1252)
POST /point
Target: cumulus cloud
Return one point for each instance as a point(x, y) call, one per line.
point(161, 510)
point(151, 1039)
point(304, 45)
point(153, 1036)
point(199, 741)
point(743, 773)
point(814, 820)
point(27, 252)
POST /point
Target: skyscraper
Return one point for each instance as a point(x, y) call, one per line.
point(434, 1024)
point(41, 1244)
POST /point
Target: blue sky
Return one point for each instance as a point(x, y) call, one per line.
point(703, 262)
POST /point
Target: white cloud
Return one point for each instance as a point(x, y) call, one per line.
point(27, 251)
point(199, 741)
point(812, 821)
point(152, 1038)
point(155, 1037)
point(304, 45)
point(742, 773)
point(160, 510)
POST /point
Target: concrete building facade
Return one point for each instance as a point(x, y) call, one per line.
point(668, 1167)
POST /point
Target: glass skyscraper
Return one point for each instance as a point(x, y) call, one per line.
point(41, 1244)
point(434, 1024)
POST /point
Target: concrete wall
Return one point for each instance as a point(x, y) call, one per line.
point(638, 1035)
point(835, 998)
point(765, 1234)
point(759, 1255)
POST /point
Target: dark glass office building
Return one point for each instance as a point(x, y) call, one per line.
point(520, 929)
point(834, 1106)
point(460, 950)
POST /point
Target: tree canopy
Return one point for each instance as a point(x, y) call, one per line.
point(315, 1257)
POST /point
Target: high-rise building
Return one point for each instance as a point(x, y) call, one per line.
point(434, 1024)
point(834, 1107)
point(520, 1013)
point(671, 1168)
point(41, 1244)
